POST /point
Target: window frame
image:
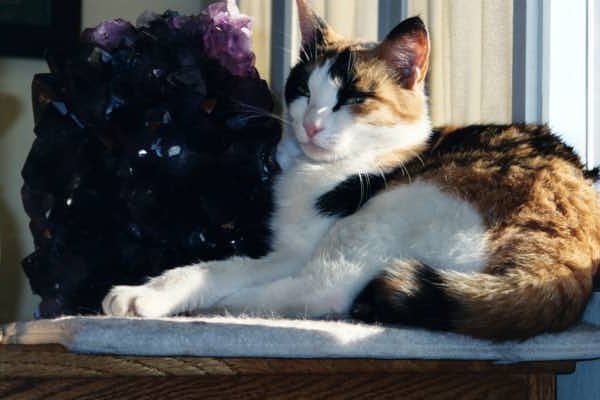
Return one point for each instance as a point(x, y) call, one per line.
point(535, 87)
point(530, 60)
point(593, 83)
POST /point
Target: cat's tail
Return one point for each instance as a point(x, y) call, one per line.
point(515, 305)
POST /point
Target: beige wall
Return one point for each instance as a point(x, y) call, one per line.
point(16, 136)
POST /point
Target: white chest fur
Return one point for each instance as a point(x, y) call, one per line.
point(416, 221)
point(296, 224)
point(413, 222)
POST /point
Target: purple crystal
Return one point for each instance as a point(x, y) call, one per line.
point(146, 18)
point(152, 150)
point(228, 38)
point(111, 34)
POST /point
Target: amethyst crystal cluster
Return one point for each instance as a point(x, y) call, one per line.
point(154, 148)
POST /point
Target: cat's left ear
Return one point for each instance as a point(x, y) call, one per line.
point(315, 31)
point(406, 50)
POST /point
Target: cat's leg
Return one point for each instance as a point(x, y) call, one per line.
point(196, 286)
point(339, 268)
point(329, 289)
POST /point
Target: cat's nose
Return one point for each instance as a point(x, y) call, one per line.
point(311, 129)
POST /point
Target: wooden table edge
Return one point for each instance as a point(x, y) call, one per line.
point(49, 360)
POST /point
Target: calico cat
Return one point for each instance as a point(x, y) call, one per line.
point(490, 230)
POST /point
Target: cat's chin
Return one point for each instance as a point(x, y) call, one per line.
point(318, 153)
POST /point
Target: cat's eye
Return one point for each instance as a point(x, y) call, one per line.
point(355, 100)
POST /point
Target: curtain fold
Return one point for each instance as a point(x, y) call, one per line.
point(260, 11)
point(351, 18)
point(471, 59)
point(470, 78)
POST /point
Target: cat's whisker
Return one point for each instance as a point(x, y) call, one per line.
point(304, 52)
point(367, 184)
point(350, 65)
point(405, 170)
point(249, 117)
point(382, 174)
point(362, 189)
point(383, 177)
point(284, 49)
point(418, 156)
point(259, 112)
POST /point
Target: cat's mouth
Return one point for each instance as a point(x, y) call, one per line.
point(317, 152)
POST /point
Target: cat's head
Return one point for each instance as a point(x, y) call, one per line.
point(347, 98)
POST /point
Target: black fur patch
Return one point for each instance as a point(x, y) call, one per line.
point(342, 68)
point(480, 137)
point(428, 306)
point(593, 174)
point(297, 79)
point(343, 71)
point(350, 195)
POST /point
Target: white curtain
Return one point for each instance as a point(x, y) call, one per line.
point(260, 11)
point(352, 18)
point(471, 59)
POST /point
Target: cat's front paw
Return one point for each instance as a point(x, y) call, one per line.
point(136, 301)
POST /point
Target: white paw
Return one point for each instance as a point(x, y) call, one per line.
point(137, 301)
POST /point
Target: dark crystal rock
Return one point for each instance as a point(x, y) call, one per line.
point(148, 155)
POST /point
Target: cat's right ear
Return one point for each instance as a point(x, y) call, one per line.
point(406, 50)
point(315, 32)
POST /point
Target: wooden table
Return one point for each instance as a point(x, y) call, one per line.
point(49, 372)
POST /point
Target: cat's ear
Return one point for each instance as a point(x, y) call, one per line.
point(406, 50)
point(315, 31)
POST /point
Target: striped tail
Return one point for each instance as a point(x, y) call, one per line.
point(514, 305)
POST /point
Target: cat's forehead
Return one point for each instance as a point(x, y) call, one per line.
point(349, 65)
point(342, 55)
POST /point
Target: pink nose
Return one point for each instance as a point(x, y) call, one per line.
point(312, 130)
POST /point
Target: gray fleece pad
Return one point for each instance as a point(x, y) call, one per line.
point(257, 337)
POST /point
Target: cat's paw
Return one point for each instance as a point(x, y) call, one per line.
point(136, 301)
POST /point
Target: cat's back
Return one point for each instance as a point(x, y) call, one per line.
point(510, 201)
point(499, 169)
point(502, 169)
point(530, 188)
